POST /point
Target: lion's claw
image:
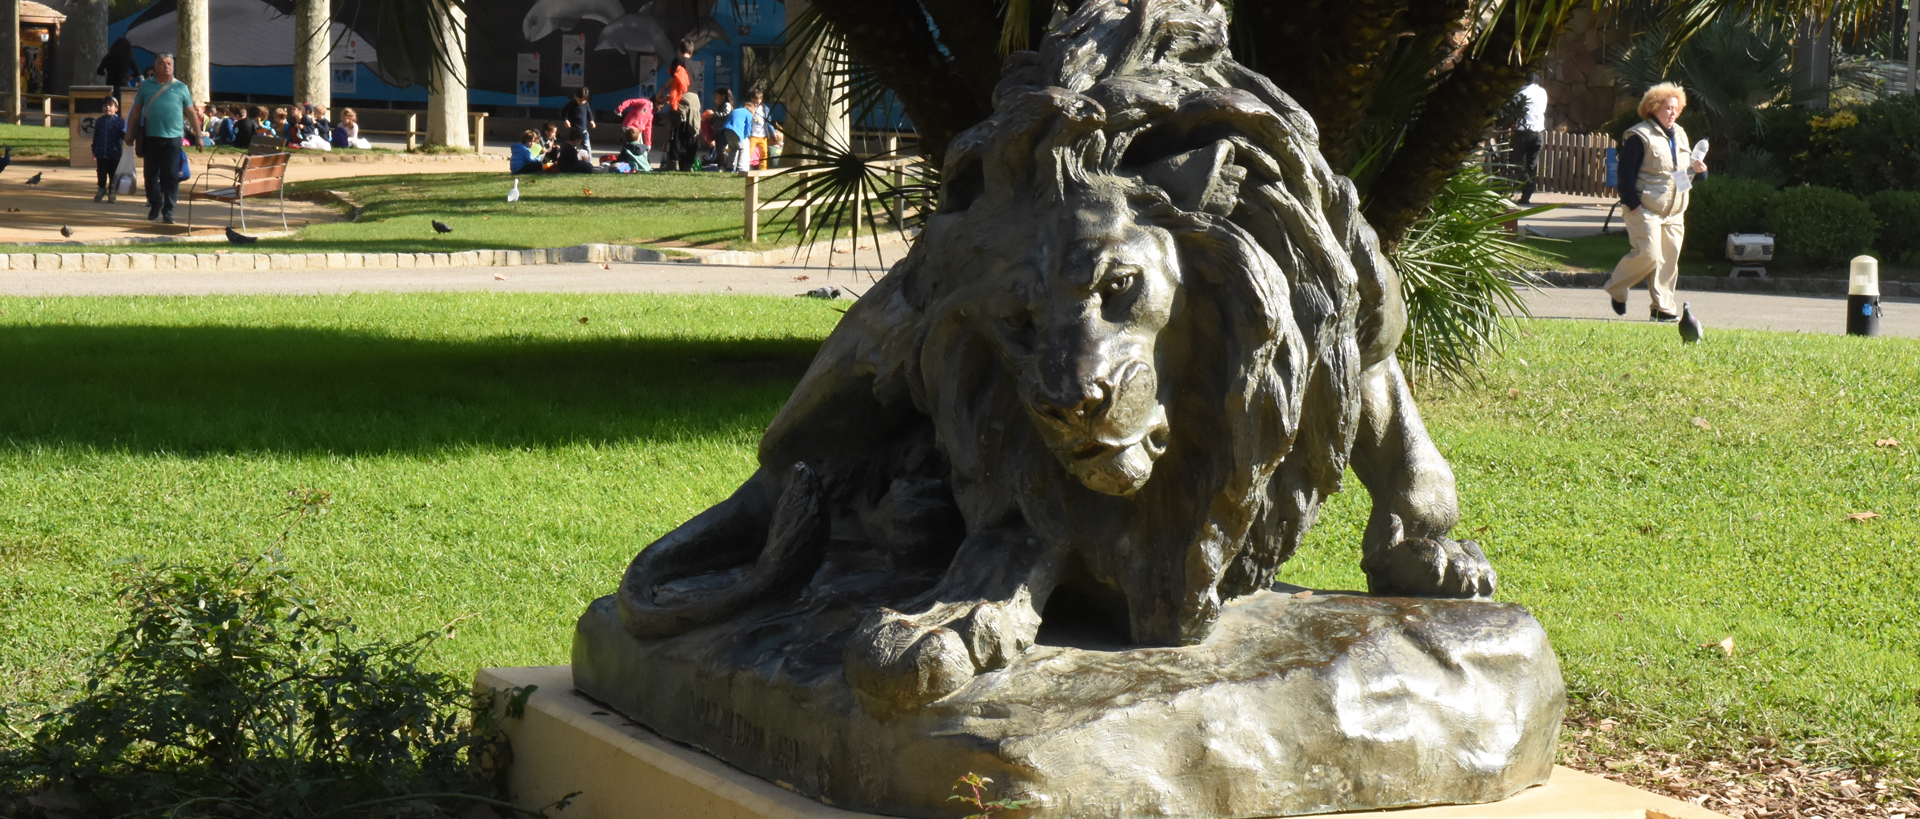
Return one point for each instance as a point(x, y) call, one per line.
point(1430, 567)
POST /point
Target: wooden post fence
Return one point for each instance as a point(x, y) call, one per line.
point(1574, 163)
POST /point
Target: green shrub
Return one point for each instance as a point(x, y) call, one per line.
point(227, 694)
point(1899, 216)
point(1819, 226)
point(1723, 205)
point(1861, 150)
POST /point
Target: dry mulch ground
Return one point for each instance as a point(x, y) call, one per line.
point(1761, 785)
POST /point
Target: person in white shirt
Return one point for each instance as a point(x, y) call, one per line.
point(1526, 138)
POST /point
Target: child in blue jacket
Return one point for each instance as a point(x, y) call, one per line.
point(109, 130)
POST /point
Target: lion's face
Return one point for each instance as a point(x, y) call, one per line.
point(1078, 329)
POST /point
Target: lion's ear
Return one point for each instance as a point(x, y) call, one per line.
point(1203, 179)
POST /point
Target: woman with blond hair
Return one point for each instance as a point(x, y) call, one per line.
point(1657, 167)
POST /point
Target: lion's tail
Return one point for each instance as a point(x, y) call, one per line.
point(727, 558)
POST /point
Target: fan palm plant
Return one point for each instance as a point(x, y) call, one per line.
point(1733, 69)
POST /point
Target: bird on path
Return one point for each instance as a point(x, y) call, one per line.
point(6, 160)
point(35, 179)
point(238, 238)
point(1689, 324)
point(66, 231)
point(514, 195)
point(441, 227)
point(828, 292)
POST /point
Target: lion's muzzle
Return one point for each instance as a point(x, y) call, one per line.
point(1107, 431)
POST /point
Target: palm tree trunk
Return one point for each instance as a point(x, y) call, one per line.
point(1447, 131)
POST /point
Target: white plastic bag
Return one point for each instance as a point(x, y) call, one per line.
point(124, 173)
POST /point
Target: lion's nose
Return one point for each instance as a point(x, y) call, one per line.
point(1090, 402)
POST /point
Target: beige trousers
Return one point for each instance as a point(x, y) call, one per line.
point(1656, 252)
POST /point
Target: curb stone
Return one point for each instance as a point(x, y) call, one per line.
point(817, 254)
point(96, 262)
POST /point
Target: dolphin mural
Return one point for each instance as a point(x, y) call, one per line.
point(244, 33)
point(549, 16)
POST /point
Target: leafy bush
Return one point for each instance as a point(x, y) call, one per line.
point(1457, 267)
point(1861, 150)
point(1899, 216)
point(1819, 226)
point(1721, 206)
point(228, 694)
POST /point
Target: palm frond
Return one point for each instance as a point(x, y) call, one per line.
point(813, 42)
point(835, 187)
point(1457, 270)
point(1403, 89)
point(411, 35)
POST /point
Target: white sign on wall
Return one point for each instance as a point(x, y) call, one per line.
point(697, 80)
point(526, 81)
point(345, 65)
point(573, 60)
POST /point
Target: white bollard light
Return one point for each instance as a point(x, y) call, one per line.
point(1863, 297)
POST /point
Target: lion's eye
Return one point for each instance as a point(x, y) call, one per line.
point(1119, 285)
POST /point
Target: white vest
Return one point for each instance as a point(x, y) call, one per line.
point(1655, 181)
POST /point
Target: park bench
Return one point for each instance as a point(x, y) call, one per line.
point(254, 175)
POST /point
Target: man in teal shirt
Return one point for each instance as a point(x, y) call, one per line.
point(163, 113)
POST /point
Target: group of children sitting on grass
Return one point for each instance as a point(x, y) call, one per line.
point(730, 139)
point(550, 151)
point(302, 127)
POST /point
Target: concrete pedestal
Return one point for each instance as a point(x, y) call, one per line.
point(567, 743)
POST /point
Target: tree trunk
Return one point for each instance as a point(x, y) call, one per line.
point(1448, 129)
point(447, 94)
point(10, 40)
point(193, 64)
point(815, 114)
point(312, 46)
point(86, 36)
point(1328, 57)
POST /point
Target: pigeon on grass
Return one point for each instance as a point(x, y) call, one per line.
point(828, 292)
point(238, 238)
point(1690, 331)
point(441, 227)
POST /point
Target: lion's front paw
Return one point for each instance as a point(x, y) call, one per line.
point(1430, 567)
point(908, 660)
point(901, 663)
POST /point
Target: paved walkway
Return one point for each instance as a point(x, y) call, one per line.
point(1758, 311)
point(1576, 216)
point(1752, 311)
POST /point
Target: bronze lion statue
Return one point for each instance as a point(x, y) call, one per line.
point(1113, 382)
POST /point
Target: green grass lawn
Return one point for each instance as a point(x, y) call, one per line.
point(34, 141)
point(492, 455)
point(656, 210)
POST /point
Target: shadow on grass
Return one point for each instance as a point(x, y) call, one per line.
point(212, 390)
